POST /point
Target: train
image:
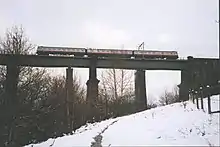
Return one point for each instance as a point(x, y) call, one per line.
point(79, 52)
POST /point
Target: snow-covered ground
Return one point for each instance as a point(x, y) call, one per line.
point(168, 125)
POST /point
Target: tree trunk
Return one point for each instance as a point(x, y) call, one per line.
point(115, 84)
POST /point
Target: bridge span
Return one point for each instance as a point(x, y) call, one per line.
point(84, 62)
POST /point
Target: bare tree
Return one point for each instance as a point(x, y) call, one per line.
point(116, 92)
point(15, 42)
point(169, 97)
point(117, 83)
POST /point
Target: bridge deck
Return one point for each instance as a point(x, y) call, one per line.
point(84, 62)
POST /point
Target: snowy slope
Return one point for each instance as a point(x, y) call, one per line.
point(167, 125)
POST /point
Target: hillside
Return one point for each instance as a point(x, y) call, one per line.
point(176, 124)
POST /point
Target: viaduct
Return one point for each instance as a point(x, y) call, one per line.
point(12, 61)
point(140, 65)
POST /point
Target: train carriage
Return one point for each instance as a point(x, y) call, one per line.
point(151, 54)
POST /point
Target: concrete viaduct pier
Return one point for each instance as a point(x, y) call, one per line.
point(184, 86)
point(69, 98)
point(140, 90)
point(92, 90)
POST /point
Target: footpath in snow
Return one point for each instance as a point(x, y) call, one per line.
point(176, 124)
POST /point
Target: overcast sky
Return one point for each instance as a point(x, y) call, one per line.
point(187, 26)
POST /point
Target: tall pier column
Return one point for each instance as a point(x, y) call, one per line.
point(11, 84)
point(11, 100)
point(92, 90)
point(69, 98)
point(184, 86)
point(140, 90)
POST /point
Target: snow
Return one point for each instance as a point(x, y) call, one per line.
point(166, 125)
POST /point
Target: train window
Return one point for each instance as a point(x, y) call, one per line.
point(102, 51)
point(46, 49)
point(145, 53)
point(74, 50)
point(77, 50)
point(96, 50)
point(90, 50)
point(138, 52)
point(128, 52)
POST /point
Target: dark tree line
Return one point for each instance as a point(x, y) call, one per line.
point(41, 104)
